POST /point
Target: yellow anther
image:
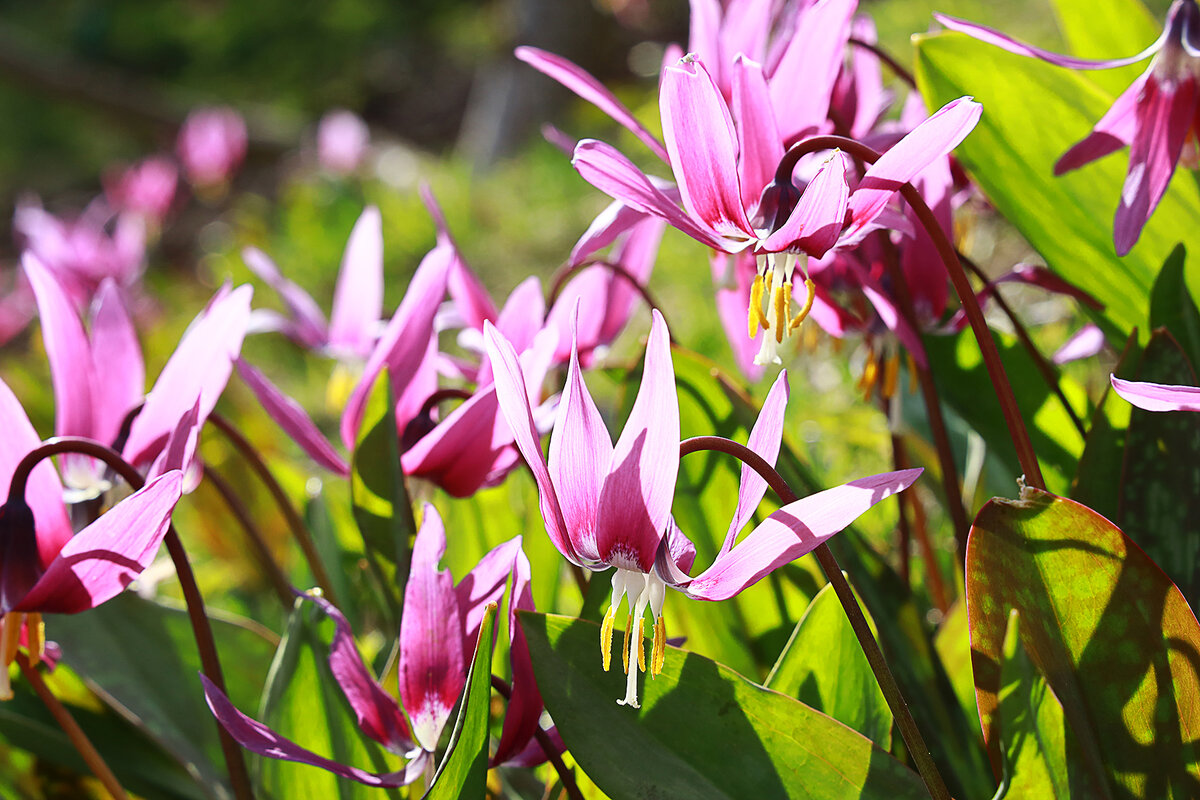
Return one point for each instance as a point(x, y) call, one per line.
point(780, 302)
point(912, 372)
point(891, 376)
point(811, 289)
point(10, 637)
point(755, 317)
point(660, 647)
point(606, 637)
point(641, 634)
point(625, 649)
point(870, 375)
point(36, 636)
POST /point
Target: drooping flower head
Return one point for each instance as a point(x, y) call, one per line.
point(342, 141)
point(211, 145)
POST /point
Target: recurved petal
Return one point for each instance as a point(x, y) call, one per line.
point(1006, 42)
point(308, 321)
point(258, 738)
point(521, 719)
point(583, 84)
point(1114, 130)
point(635, 502)
point(1165, 114)
point(358, 298)
point(703, 146)
point(765, 439)
point(294, 420)
point(432, 669)
point(1158, 396)
point(103, 558)
point(793, 531)
point(816, 222)
point(932, 139)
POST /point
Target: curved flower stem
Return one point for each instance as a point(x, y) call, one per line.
point(1048, 373)
point(295, 522)
point(239, 778)
point(87, 751)
point(258, 543)
point(886, 57)
point(504, 689)
point(862, 630)
point(962, 286)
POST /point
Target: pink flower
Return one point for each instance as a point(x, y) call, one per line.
point(1155, 116)
point(147, 188)
point(211, 145)
point(342, 141)
point(1158, 396)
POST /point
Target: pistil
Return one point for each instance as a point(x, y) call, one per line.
point(643, 590)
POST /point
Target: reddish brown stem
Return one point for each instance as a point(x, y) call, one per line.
point(504, 689)
point(258, 542)
point(886, 57)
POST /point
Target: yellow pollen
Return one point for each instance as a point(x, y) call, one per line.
point(780, 301)
point(606, 631)
point(891, 376)
point(641, 661)
point(912, 372)
point(755, 317)
point(811, 289)
point(660, 647)
point(37, 636)
point(625, 649)
point(870, 375)
point(10, 637)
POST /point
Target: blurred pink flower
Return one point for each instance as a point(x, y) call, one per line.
point(211, 145)
point(342, 141)
point(146, 188)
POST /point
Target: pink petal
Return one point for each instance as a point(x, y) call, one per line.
point(932, 139)
point(43, 493)
point(513, 398)
point(103, 558)
point(1115, 130)
point(405, 342)
point(1158, 396)
point(199, 367)
point(744, 30)
point(523, 314)
point(793, 531)
point(816, 222)
point(358, 298)
point(120, 374)
point(615, 219)
point(581, 452)
point(309, 327)
point(759, 142)
point(700, 138)
point(484, 584)
point(1084, 343)
point(635, 502)
point(259, 739)
point(591, 90)
point(379, 715)
point(521, 719)
point(765, 439)
point(469, 295)
point(1166, 112)
point(704, 30)
point(67, 349)
point(802, 82)
point(1005, 42)
point(180, 450)
point(294, 420)
point(432, 668)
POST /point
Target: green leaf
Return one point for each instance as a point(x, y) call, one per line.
point(139, 764)
point(463, 771)
point(302, 702)
point(702, 730)
point(1172, 306)
point(378, 493)
point(823, 666)
point(1034, 112)
point(1038, 758)
point(1160, 483)
point(1108, 29)
point(140, 658)
point(1114, 637)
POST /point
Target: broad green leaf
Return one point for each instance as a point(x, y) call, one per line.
point(963, 384)
point(702, 729)
point(824, 667)
point(1039, 760)
point(953, 644)
point(463, 771)
point(1160, 484)
point(1034, 112)
point(378, 493)
point(140, 658)
point(1114, 637)
point(1172, 306)
point(139, 764)
point(302, 702)
point(1103, 29)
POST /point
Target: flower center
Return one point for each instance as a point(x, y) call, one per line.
point(772, 290)
point(643, 589)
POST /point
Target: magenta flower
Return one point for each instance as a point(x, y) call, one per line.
point(608, 505)
point(438, 634)
point(342, 141)
point(1155, 116)
point(1158, 396)
point(44, 568)
point(211, 145)
point(147, 188)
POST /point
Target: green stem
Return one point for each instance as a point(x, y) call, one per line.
point(858, 621)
